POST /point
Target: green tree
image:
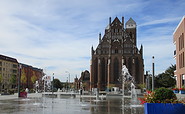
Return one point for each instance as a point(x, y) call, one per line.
point(0, 78)
point(0, 82)
point(33, 78)
point(170, 70)
point(13, 79)
point(57, 84)
point(166, 79)
point(23, 76)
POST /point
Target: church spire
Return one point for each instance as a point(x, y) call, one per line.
point(99, 37)
point(92, 50)
point(141, 50)
point(109, 20)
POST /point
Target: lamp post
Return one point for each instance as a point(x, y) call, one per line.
point(53, 84)
point(68, 78)
point(147, 80)
point(67, 84)
point(20, 66)
point(153, 73)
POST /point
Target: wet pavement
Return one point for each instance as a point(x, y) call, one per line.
point(68, 105)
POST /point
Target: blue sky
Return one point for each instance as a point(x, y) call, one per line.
point(57, 35)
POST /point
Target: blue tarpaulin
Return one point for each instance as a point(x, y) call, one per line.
point(164, 108)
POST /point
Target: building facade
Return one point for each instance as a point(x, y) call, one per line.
point(83, 82)
point(29, 76)
point(117, 47)
point(179, 53)
point(8, 73)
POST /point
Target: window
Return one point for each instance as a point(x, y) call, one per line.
point(0, 63)
point(183, 80)
point(116, 50)
point(133, 61)
point(14, 71)
point(181, 60)
point(181, 41)
point(14, 66)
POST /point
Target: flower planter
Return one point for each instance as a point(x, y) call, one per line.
point(176, 91)
point(182, 91)
point(164, 108)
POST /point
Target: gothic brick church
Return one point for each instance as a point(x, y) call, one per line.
point(117, 47)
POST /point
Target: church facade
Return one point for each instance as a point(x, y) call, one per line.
point(117, 47)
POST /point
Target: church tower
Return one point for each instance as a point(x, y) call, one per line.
point(117, 47)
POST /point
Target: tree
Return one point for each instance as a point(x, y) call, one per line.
point(0, 78)
point(170, 70)
point(0, 82)
point(33, 78)
point(23, 77)
point(13, 80)
point(57, 84)
point(166, 79)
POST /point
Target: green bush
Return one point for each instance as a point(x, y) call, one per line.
point(31, 91)
point(160, 95)
point(163, 94)
point(11, 91)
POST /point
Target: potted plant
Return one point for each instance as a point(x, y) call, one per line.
point(182, 90)
point(162, 101)
point(175, 90)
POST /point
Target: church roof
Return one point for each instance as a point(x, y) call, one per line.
point(130, 22)
point(108, 26)
point(116, 20)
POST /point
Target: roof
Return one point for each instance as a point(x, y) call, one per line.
point(6, 58)
point(130, 22)
point(114, 21)
point(183, 18)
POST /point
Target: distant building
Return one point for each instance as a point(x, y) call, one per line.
point(83, 82)
point(29, 75)
point(117, 47)
point(47, 83)
point(178, 40)
point(8, 73)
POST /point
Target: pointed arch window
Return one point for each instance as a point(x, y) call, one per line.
point(116, 70)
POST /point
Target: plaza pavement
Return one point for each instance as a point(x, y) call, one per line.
point(37, 95)
point(15, 96)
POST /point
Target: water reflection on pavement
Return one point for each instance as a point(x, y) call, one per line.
point(68, 105)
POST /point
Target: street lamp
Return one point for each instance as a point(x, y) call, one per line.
point(53, 84)
point(20, 66)
point(153, 73)
point(69, 75)
point(67, 84)
point(69, 78)
point(147, 80)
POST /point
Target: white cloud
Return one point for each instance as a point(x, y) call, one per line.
point(57, 35)
point(160, 21)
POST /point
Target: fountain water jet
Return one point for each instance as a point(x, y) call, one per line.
point(126, 77)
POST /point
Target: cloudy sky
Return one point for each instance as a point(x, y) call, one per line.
point(57, 35)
